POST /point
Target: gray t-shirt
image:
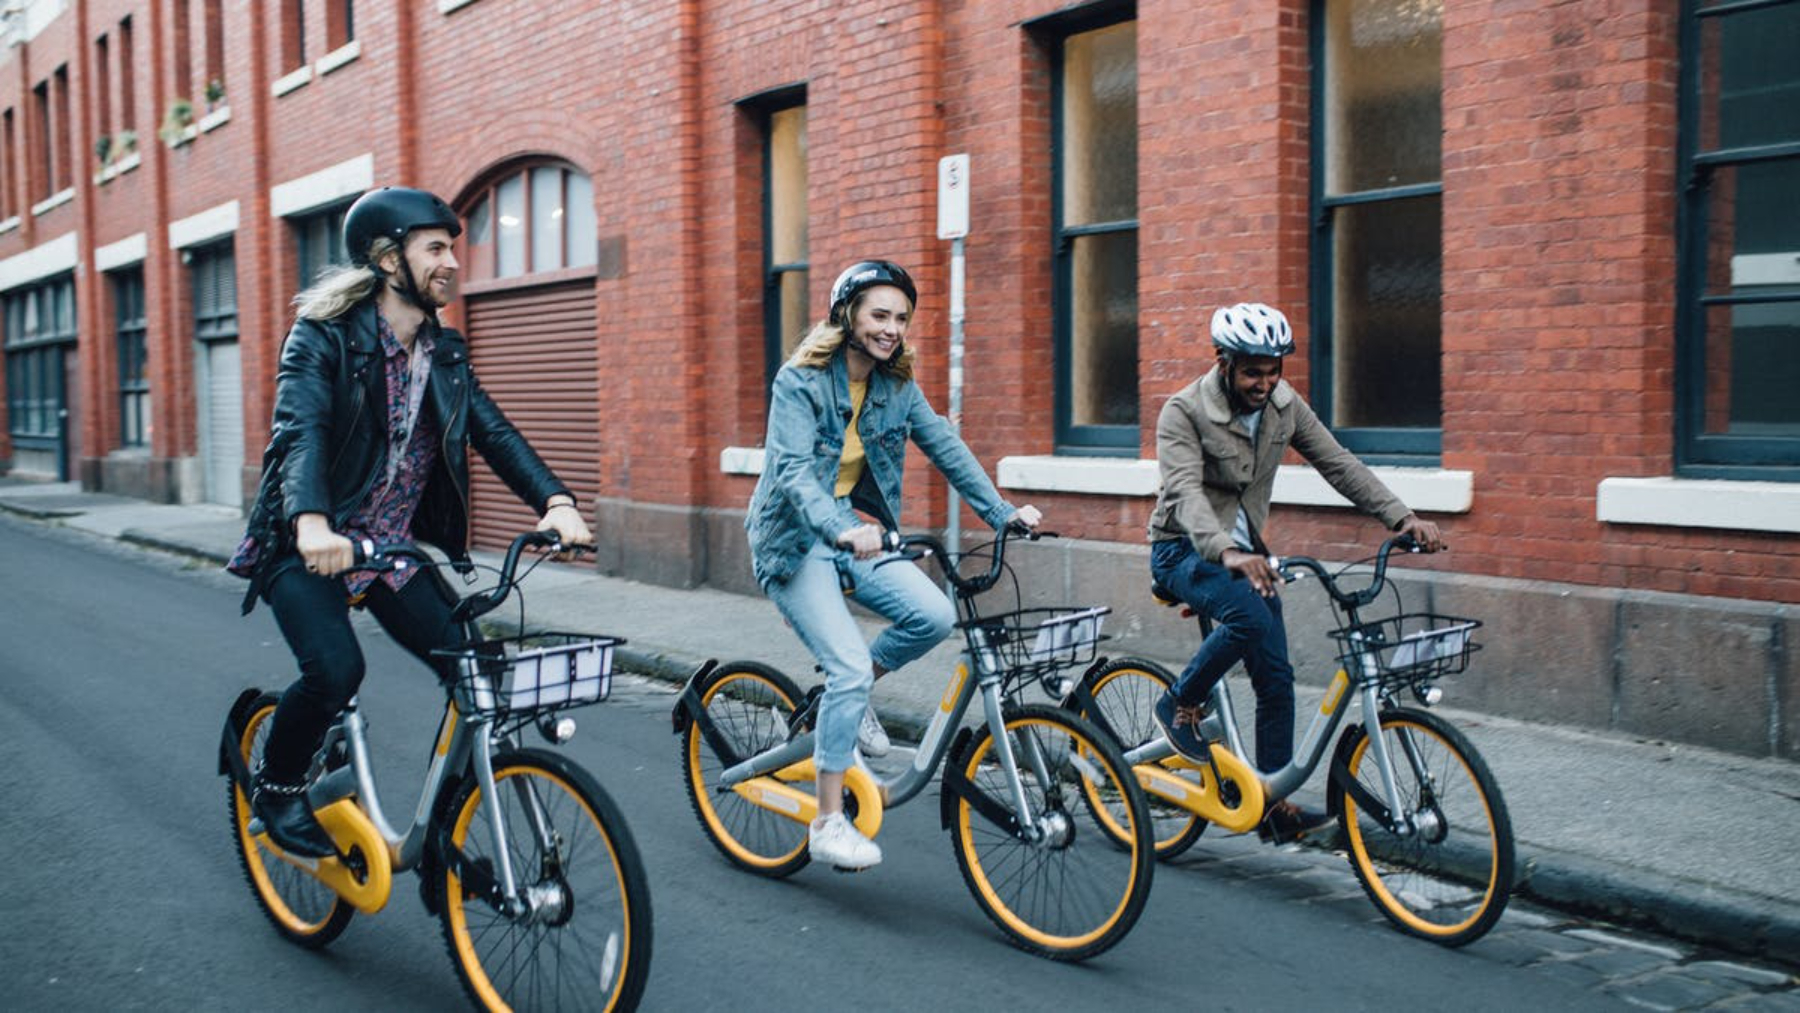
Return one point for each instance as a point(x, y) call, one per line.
point(1240, 532)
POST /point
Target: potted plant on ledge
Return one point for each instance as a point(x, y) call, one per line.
point(176, 122)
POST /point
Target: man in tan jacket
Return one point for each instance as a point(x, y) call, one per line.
point(1218, 444)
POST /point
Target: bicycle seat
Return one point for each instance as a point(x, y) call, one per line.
point(1163, 596)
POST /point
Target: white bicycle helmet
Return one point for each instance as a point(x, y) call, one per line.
point(1250, 328)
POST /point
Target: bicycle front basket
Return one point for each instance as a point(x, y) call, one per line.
point(524, 675)
point(1408, 648)
point(1037, 642)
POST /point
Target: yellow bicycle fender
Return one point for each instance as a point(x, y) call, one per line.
point(350, 828)
point(1204, 799)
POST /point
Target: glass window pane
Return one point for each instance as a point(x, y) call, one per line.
point(1753, 227)
point(1750, 78)
point(1752, 355)
point(481, 241)
point(1099, 125)
point(546, 218)
point(1383, 94)
point(793, 311)
point(584, 239)
point(787, 186)
point(1387, 285)
point(1103, 330)
point(509, 234)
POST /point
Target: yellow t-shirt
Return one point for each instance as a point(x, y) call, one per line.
point(850, 465)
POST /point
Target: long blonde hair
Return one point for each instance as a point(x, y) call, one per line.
point(816, 349)
point(342, 286)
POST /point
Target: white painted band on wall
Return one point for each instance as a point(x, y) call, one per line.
point(329, 185)
point(130, 250)
point(41, 261)
point(213, 223)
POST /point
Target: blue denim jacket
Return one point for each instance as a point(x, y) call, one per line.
point(793, 505)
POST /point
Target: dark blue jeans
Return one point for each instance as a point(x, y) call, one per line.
point(1246, 627)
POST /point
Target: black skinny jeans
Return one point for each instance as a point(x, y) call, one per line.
point(315, 620)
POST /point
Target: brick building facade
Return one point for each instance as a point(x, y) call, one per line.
point(1536, 253)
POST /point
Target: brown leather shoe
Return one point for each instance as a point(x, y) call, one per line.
point(1286, 822)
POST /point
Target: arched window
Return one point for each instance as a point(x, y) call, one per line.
point(531, 219)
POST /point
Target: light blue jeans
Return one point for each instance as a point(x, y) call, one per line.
point(817, 608)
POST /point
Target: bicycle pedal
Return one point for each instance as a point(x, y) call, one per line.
point(851, 869)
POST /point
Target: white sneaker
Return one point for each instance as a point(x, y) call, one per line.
point(835, 841)
point(871, 736)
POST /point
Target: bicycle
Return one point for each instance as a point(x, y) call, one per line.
point(507, 881)
point(1420, 815)
point(1012, 788)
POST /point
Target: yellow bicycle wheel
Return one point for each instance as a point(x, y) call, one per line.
point(1055, 886)
point(748, 705)
point(1123, 692)
point(582, 940)
point(302, 909)
point(1447, 875)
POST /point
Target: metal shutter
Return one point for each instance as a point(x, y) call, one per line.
point(534, 351)
point(223, 418)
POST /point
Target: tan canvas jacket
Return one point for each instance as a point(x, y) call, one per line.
point(1210, 465)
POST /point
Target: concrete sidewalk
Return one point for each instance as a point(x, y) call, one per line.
point(1693, 843)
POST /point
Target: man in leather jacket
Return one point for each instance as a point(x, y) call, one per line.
point(376, 407)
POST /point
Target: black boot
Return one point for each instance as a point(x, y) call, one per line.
point(1287, 822)
point(288, 819)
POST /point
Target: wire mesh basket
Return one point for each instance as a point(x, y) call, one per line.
point(516, 677)
point(1408, 648)
point(1040, 642)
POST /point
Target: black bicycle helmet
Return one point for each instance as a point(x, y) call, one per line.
point(393, 211)
point(866, 274)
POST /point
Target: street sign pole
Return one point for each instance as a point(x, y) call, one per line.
point(953, 224)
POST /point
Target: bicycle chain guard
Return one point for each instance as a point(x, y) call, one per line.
point(773, 792)
point(1205, 799)
point(367, 889)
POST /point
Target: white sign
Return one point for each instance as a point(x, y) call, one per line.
point(953, 196)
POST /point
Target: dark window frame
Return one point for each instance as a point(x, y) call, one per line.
point(764, 108)
point(36, 370)
point(313, 228)
point(1072, 439)
point(1699, 454)
point(1414, 446)
point(481, 264)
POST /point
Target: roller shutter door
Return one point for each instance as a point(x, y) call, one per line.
point(533, 351)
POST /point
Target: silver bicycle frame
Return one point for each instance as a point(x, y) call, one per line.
point(978, 672)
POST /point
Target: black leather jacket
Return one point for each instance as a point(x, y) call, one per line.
point(326, 446)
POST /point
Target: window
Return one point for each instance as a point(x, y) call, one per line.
point(8, 166)
point(127, 78)
point(134, 381)
point(61, 136)
point(320, 236)
point(40, 333)
point(1094, 207)
point(214, 272)
point(1738, 304)
point(784, 230)
point(42, 145)
point(293, 35)
point(214, 37)
point(184, 52)
point(1377, 192)
point(540, 218)
point(340, 23)
point(103, 85)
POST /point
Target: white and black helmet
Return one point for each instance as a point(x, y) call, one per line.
point(1250, 328)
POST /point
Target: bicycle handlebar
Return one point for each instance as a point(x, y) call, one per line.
point(387, 556)
point(921, 546)
point(1349, 599)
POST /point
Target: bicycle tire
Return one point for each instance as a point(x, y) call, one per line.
point(1069, 895)
point(749, 705)
point(597, 909)
point(302, 909)
point(1124, 690)
point(1449, 882)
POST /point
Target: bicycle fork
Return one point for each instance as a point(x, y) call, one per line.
point(1395, 815)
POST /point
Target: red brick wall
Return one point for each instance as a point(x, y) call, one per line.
point(1558, 242)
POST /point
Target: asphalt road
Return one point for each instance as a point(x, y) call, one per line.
point(125, 892)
